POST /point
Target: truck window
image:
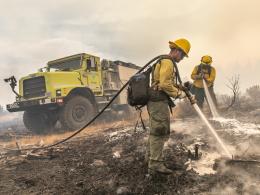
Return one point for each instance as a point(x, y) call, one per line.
point(88, 64)
point(72, 64)
point(91, 64)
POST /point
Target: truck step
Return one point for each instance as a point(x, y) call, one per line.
point(103, 102)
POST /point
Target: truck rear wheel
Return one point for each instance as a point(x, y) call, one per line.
point(39, 121)
point(76, 112)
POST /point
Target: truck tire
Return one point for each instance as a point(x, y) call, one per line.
point(76, 112)
point(39, 121)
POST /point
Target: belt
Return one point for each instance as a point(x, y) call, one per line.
point(157, 95)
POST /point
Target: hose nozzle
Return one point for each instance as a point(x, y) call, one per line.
point(186, 88)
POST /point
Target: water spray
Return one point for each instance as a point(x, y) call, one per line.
point(192, 100)
point(232, 160)
point(210, 101)
point(186, 88)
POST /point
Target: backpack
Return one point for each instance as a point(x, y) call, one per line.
point(138, 88)
point(139, 84)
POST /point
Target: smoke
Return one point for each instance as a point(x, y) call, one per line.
point(11, 122)
point(33, 33)
point(238, 178)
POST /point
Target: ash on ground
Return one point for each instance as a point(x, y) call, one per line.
point(112, 162)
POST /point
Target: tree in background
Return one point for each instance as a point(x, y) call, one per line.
point(234, 86)
point(254, 93)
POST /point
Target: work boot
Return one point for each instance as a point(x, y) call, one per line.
point(157, 166)
point(164, 170)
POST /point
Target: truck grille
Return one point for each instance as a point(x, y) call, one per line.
point(34, 87)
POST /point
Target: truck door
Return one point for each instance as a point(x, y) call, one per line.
point(94, 74)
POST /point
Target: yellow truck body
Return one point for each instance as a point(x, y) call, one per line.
point(70, 90)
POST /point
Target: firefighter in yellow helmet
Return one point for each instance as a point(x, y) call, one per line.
point(207, 72)
point(163, 86)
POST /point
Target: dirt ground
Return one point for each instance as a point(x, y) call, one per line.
point(111, 161)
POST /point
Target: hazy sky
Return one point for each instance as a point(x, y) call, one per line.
point(33, 32)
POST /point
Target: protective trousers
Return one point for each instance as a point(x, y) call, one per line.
point(159, 131)
point(200, 95)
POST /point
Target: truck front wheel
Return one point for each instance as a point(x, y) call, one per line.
point(76, 112)
point(39, 121)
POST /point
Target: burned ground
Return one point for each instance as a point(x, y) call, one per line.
point(111, 161)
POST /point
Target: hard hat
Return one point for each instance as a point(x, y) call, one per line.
point(206, 59)
point(182, 44)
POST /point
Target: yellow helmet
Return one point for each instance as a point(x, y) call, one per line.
point(206, 59)
point(182, 44)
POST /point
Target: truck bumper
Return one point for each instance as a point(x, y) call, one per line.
point(34, 104)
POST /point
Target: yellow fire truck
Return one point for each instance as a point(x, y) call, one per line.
point(70, 90)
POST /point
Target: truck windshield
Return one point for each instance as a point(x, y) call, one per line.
point(72, 64)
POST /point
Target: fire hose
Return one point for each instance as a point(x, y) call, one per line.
point(184, 88)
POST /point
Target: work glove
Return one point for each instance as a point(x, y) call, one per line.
point(206, 76)
point(187, 85)
point(198, 77)
point(193, 99)
point(181, 95)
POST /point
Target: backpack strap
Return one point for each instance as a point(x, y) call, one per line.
point(199, 69)
point(141, 119)
point(154, 66)
point(159, 62)
point(170, 101)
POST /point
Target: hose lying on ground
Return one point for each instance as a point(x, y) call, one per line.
point(108, 104)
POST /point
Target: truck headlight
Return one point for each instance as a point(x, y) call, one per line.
point(58, 92)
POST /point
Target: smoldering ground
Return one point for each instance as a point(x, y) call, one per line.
point(32, 34)
point(110, 159)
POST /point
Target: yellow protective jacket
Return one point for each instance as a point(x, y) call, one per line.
point(164, 78)
point(209, 72)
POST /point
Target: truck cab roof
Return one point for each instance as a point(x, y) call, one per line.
point(69, 58)
point(79, 57)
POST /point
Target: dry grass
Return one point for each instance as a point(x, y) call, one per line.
point(99, 127)
point(38, 140)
